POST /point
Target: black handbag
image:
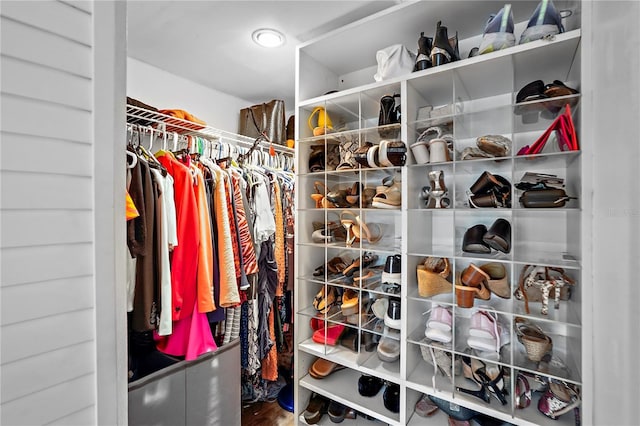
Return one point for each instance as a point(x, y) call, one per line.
point(544, 198)
point(267, 117)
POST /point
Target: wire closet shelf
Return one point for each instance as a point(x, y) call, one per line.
point(167, 124)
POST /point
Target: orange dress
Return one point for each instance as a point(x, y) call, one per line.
point(184, 260)
point(205, 249)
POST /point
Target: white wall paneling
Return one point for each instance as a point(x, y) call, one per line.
point(32, 44)
point(52, 263)
point(70, 362)
point(51, 404)
point(47, 358)
point(41, 335)
point(18, 155)
point(56, 297)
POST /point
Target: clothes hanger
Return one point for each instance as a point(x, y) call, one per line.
point(134, 159)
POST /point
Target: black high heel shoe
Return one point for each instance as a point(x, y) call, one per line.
point(495, 386)
point(389, 114)
point(470, 374)
point(444, 49)
point(481, 393)
point(423, 59)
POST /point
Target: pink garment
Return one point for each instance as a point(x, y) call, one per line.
point(191, 337)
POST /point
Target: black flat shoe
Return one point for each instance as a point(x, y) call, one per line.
point(473, 242)
point(391, 397)
point(369, 385)
point(336, 412)
point(316, 408)
point(498, 237)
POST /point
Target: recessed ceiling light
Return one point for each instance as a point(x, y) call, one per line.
point(267, 37)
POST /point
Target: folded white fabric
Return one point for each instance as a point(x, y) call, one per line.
point(394, 61)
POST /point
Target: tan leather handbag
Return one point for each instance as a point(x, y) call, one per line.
point(267, 117)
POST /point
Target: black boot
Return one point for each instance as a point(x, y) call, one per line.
point(389, 114)
point(423, 59)
point(444, 50)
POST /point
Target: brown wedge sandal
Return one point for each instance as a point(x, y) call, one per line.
point(432, 277)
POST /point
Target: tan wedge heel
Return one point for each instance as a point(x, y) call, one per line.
point(432, 277)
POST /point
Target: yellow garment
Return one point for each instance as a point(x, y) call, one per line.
point(229, 295)
point(270, 362)
point(131, 210)
point(279, 244)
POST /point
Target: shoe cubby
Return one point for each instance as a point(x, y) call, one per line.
point(455, 121)
point(550, 237)
point(465, 220)
point(495, 292)
point(570, 296)
point(430, 232)
point(429, 283)
point(342, 386)
point(563, 170)
point(430, 187)
point(421, 372)
point(490, 195)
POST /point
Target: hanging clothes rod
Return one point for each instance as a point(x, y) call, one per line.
point(164, 123)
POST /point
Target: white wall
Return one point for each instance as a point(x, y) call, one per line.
point(164, 90)
point(48, 353)
point(612, 171)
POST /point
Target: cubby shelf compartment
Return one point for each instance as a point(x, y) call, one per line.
point(342, 386)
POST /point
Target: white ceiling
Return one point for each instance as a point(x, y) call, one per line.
point(209, 42)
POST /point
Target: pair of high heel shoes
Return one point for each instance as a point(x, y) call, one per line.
point(478, 282)
point(565, 132)
point(435, 195)
point(491, 380)
point(357, 229)
point(490, 190)
point(438, 50)
point(337, 198)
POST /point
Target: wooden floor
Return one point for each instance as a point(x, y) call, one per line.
point(265, 414)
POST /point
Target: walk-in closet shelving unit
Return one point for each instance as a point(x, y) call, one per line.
point(483, 91)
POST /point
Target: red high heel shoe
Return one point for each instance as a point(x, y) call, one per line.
point(566, 135)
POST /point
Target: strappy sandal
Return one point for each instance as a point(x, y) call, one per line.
point(364, 261)
point(476, 375)
point(361, 230)
point(336, 265)
point(495, 382)
point(389, 198)
point(352, 222)
point(352, 196)
point(559, 399)
point(324, 300)
point(348, 223)
point(319, 195)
